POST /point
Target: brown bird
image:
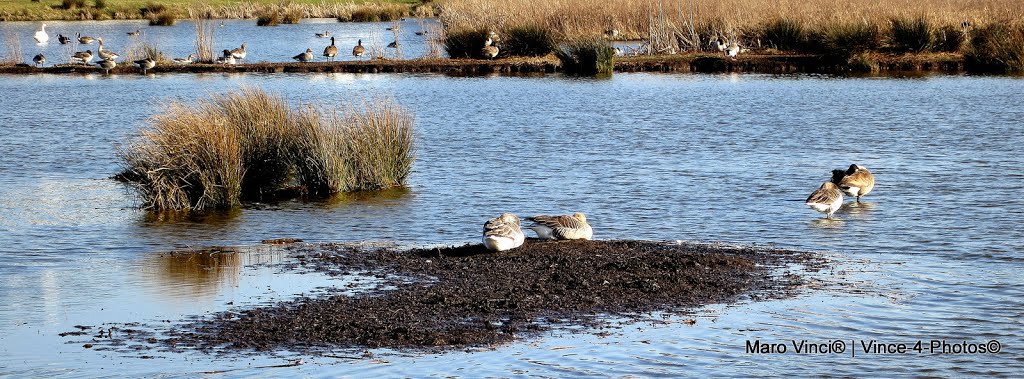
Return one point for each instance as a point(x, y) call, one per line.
point(83, 56)
point(572, 227)
point(239, 52)
point(826, 199)
point(359, 50)
point(107, 65)
point(331, 51)
point(489, 51)
point(856, 181)
point(304, 57)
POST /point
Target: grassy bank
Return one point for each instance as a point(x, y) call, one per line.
point(252, 145)
point(350, 10)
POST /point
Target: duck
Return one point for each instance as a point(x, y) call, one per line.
point(85, 40)
point(106, 54)
point(239, 53)
point(227, 58)
point(489, 51)
point(423, 32)
point(826, 199)
point(855, 181)
point(84, 56)
point(566, 227)
point(503, 233)
point(325, 34)
point(63, 39)
point(722, 46)
point(190, 59)
point(145, 64)
point(359, 50)
point(41, 36)
point(107, 65)
point(393, 44)
point(136, 33)
point(39, 59)
point(331, 51)
point(304, 57)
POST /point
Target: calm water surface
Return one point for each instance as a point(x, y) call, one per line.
point(934, 253)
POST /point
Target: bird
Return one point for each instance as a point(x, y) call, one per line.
point(572, 227)
point(63, 39)
point(239, 53)
point(733, 50)
point(106, 54)
point(145, 64)
point(489, 51)
point(107, 65)
point(304, 57)
point(393, 44)
point(227, 58)
point(325, 34)
point(135, 33)
point(722, 46)
point(84, 56)
point(424, 32)
point(359, 50)
point(611, 33)
point(39, 59)
point(827, 199)
point(503, 233)
point(190, 59)
point(41, 36)
point(331, 51)
point(856, 181)
point(85, 40)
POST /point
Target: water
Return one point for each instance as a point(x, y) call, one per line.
point(263, 44)
point(933, 253)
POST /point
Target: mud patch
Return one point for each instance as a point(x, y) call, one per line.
point(456, 297)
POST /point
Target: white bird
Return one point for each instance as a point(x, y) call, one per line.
point(503, 233)
point(145, 64)
point(562, 227)
point(191, 59)
point(305, 57)
point(41, 36)
point(827, 199)
point(856, 181)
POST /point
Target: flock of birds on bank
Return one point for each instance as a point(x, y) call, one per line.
point(855, 181)
point(505, 231)
point(108, 59)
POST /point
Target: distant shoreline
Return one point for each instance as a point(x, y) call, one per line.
point(158, 11)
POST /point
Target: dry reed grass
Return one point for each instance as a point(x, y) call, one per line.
point(15, 54)
point(204, 37)
point(253, 145)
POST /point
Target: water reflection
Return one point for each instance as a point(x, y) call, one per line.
point(195, 273)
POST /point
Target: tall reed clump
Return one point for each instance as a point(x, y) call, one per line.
point(270, 18)
point(910, 35)
point(846, 39)
point(14, 53)
point(950, 38)
point(158, 14)
point(786, 34)
point(251, 145)
point(996, 47)
point(587, 56)
point(204, 37)
point(529, 40)
point(465, 43)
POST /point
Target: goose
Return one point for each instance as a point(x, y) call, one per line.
point(145, 64)
point(63, 39)
point(84, 56)
point(503, 233)
point(611, 33)
point(359, 50)
point(393, 44)
point(856, 181)
point(572, 227)
point(325, 34)
point(41, 36)
point(85, 40)
point(331, 51)
point(39, 59)
point(227, 58)
point(106, 65)
point(106, 54)
point(239, 53)
point(304, 57)
point(191, 59)
point(827, 199)
point(135, 33)
point(420, 33)
point(722, 46)
point(489, 51)
point(733, 49)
